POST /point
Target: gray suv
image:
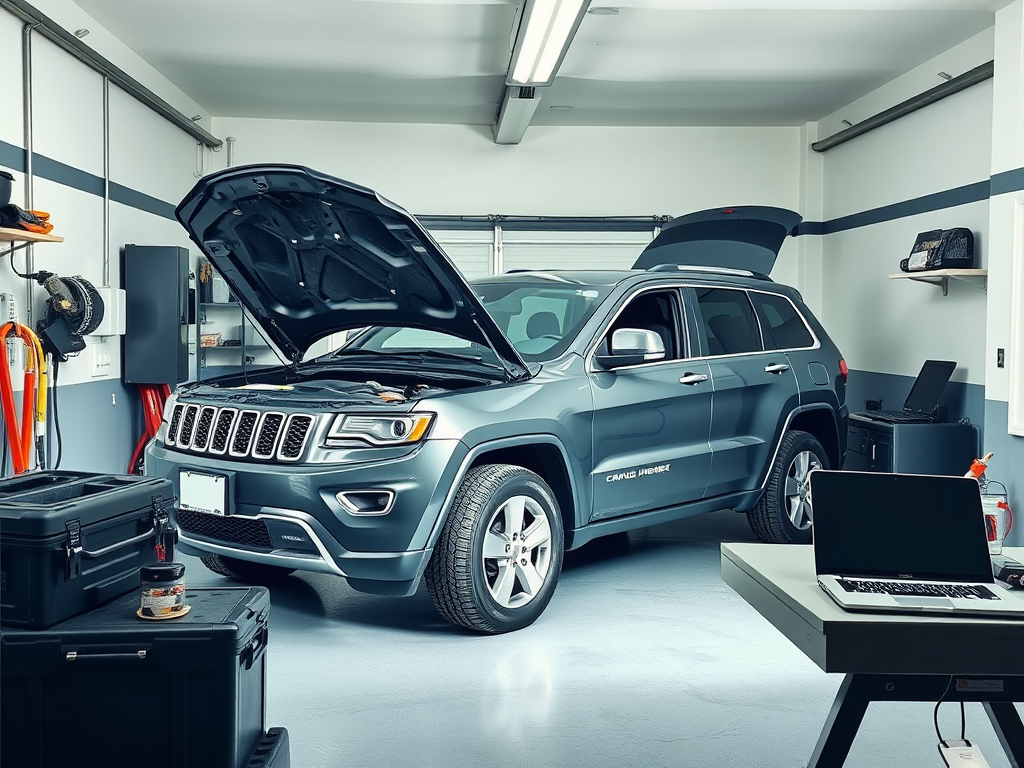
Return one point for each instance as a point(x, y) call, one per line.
point(469, 434)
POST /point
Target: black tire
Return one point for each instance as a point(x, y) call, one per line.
point(787, 493)
point(245, 571)
point(468, 588)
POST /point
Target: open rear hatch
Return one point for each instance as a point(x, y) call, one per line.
point(746, 238)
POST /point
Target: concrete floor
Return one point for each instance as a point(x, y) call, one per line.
point(643, 658)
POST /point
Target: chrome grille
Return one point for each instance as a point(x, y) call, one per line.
point(222, 430)
point(188, 425)
point(172, 428)
point(266, 440)
point(203, 424)
point(241, 441)
point(263, 435)
point(295, 434)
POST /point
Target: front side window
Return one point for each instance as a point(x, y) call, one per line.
point(650, 311)
point(729, 321)
point(539, 318)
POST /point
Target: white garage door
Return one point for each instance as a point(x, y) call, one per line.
point(572, 250)
point(472, 252)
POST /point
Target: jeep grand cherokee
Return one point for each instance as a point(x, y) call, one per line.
point(468, 435)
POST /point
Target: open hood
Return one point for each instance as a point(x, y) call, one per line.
point(746, 238)
point(309, 255)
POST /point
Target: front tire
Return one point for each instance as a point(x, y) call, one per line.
point(244, 570)
point(497, 561)
point(783, 514)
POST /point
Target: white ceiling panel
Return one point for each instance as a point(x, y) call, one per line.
point(655, 62)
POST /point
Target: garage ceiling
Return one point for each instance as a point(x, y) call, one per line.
point(656, 62)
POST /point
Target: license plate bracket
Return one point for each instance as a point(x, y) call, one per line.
point(209, 493)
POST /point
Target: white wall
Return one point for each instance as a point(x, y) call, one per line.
point(147, 155)
point(1007, 155)
point(445, 169)
point(892, 326)
point(556, 171)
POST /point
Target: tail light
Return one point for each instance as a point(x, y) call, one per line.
point(844, 370)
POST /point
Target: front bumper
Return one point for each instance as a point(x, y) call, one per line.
point(288, 515)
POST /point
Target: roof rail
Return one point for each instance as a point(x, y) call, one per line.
point(700, 268)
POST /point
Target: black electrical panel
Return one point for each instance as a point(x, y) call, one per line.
point(155, 280)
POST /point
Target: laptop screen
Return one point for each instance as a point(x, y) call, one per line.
point(881, 525)
point(928, 386)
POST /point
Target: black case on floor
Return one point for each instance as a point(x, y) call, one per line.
point(72, 541)
point(110, 690)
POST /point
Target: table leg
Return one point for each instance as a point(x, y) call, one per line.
point(1008, 728)
point(841, 725)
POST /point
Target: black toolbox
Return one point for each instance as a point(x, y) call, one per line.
point(110, 690)
point(71, 541)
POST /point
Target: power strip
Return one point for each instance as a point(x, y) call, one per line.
point(8, 308)
point(9, 314)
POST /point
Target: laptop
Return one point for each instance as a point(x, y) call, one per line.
point(905, 543)
point(924, 395)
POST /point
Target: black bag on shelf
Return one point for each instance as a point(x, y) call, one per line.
point(72, 541)
point(941, 249)
point(109, 690)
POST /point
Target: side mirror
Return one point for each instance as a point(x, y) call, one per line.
point(632, 346)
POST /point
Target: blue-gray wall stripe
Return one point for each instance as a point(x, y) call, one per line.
point(1007, 181)
point(949, 198)
point(54, 170)
point(140, 201)
point(13, 156)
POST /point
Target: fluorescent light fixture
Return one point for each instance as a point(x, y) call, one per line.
point(546, 29)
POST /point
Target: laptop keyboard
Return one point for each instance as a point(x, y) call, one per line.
point(901, 417)
point(914, 589)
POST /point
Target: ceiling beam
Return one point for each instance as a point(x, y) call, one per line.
point(517, 107)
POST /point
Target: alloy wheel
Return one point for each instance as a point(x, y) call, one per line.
point(517, 552)
point(798, 489)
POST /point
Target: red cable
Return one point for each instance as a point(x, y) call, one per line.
point(153, 398)
point(135, 456)
point(145, 396)
point(150, 411)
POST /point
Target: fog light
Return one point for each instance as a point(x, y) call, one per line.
point(372, 502)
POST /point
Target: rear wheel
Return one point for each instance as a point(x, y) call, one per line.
point(783, 515)
point(497, 561)
point(244, 570)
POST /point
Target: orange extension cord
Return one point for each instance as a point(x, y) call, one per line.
point(33, 399)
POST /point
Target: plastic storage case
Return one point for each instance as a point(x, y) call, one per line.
point(110, 690)
point(72, 541)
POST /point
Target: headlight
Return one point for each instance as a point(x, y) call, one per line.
point(169, 408)
point(379, 430)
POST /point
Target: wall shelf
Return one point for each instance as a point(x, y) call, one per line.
point(941, 277)
point(9, 235)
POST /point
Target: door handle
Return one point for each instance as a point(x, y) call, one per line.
point(776, 368)
point(693, 378)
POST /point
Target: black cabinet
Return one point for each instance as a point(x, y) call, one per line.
point(155, 280)
point(916, 449)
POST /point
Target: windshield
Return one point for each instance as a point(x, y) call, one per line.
point(540, 319)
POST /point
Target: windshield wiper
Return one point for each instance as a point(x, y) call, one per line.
point(422, 356)
point(418, 355)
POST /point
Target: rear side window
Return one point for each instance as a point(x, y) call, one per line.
point(729, 321)
point(785, 328)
